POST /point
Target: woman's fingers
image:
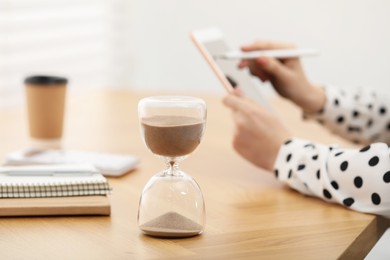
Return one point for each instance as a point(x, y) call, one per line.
point(266, 45)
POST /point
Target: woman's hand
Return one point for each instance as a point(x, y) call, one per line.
point(287, 76)
point(259, 134)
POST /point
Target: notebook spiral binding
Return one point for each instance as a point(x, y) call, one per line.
point(63, 189)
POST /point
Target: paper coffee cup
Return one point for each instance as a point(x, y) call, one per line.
point(45, 96)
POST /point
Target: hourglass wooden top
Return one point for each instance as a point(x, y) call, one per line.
point(249, 214)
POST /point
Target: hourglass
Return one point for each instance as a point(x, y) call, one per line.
point(171, 204)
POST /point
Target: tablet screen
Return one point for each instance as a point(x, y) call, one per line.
point(228, 67)
point(234, 75)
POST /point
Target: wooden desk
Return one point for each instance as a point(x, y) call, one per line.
point(249, 214)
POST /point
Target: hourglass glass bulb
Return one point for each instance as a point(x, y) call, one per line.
point(171, 204)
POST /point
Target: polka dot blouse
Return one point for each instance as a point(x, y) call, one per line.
point(355, 178)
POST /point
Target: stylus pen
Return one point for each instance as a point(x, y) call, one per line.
point(278, 54)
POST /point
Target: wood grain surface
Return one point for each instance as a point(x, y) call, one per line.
point(249, 214)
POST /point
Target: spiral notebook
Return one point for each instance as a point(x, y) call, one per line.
point(53, 190)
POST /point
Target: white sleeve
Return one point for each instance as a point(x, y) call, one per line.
point(357, 179)
point(361, 116)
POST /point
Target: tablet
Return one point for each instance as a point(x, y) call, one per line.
point(108, 164)
point(211, 44)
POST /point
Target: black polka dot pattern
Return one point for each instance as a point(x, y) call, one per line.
point(344, 166)
point(373, 161)
point(369, 123)
point(348, 202)
point(358, 182)
point(309, 146)
point(354, 129)
point(355, 113)
point(327, 194)
point(382, 110)
point(376, 199)
point(339, 175)
point(340, 119)
point(355, 178)
point(356, 119)
point(386, 177)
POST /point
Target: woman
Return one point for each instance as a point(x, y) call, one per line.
point(355, 178)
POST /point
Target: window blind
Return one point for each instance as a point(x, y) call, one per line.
point(78, 39)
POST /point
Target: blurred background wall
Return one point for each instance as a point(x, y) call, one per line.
point(144, 44)
point(84, 40)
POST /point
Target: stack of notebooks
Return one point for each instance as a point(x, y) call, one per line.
point(53, 190)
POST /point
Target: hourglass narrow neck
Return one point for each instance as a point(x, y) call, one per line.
point(172, 166)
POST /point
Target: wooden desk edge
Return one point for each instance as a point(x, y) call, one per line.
point(362, 245)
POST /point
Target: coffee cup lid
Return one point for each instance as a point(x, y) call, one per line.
point(45, 80)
